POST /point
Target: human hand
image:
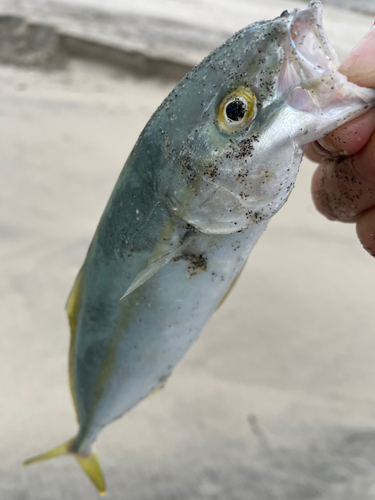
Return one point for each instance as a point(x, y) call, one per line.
point(343, 186)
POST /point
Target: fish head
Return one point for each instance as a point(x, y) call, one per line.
point(243, 116)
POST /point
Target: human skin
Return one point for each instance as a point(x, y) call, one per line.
point(343, 185)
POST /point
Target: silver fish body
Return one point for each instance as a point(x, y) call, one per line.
point(216, 161)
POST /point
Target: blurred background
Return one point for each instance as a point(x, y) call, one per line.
point(276, 400)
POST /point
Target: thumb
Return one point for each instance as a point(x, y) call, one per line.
point(359, 66)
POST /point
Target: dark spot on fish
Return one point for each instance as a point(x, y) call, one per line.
point(163, 378)
point(197, 263)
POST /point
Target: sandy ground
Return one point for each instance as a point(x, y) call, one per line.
point(274, 402)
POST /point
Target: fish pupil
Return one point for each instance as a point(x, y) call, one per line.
point(235, 110)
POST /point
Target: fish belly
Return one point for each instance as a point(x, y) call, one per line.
point(157, 324)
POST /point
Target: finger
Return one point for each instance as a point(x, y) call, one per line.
point(364, 161)
point(359, 66)
point(349, 138)
point(366, 230)
point(316, 153)
point(340, 192)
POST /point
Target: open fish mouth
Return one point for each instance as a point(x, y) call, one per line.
point(309, 70)
point(309, 52)
point(309, 80)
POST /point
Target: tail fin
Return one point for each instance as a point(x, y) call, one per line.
point(89, 463)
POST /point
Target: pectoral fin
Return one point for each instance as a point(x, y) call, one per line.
point(166, 251)
point(149, 271)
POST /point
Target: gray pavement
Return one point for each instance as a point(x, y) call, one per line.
point(274, 402)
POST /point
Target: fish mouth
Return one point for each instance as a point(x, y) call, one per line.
point(308, 77)
point(309, 43)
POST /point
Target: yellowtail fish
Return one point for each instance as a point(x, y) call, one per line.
point(215, 162)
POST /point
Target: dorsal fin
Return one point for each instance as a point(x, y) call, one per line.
point(72, 308)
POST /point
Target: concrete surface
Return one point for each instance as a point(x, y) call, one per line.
point(182, 31)
point(274, 402)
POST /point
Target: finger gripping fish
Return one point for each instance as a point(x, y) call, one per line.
point(215, 162)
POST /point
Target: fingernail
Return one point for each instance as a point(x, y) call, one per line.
point(360, 63)
point(330, 146)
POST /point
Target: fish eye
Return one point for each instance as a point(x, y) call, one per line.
point(236, 110)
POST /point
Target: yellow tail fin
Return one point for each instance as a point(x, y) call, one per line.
point(89, 463)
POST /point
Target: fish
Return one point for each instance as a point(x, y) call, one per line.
point(216, 161)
